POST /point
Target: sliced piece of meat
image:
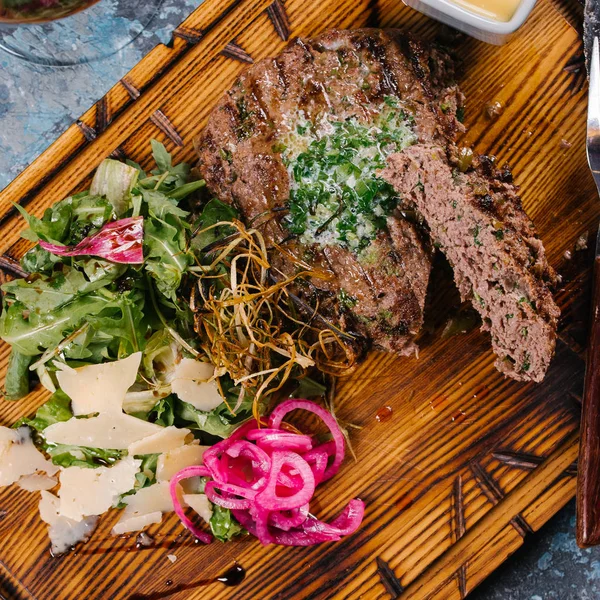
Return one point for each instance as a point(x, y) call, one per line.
point(380, 292)
point(499, 263)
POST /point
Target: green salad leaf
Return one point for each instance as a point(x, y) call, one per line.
point(45, 293)
point(114, 181)
point(160, 205)
point(309, 388)
point(214, 212)
point(122, 319)
point(223, 525)
point(147, 473)
point(52, 227)
point(17, 375)
point(31, 332)
point(38, 260)
point(218, 422)
point(55, 410)
point(160, 355)
point(70, 220)
point(173, 176)
point(166, 255)
point(81, 456)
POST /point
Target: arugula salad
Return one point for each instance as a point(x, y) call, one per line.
point(150, 317)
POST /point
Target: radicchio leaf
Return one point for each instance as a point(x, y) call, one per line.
point(119, 241)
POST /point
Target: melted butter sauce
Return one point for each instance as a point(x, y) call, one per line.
point(497, 10)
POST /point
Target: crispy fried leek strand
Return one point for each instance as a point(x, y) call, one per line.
point(248, 324)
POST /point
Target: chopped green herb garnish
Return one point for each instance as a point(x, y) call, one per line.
point(279, 148)
point(346, 300)
point(336, 196)
point(244, 129)
point(226, 155)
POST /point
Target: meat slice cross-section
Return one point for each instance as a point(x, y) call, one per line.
point(499, 263)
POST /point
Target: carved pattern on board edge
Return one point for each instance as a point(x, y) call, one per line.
point(278, 16)
point(103, 114)
point(576, 68)
point(236, 52)
point(132, 90)
point(191, 36)
point(388, 578)
point(458, 528)
point(159, 119)
point(492, 491)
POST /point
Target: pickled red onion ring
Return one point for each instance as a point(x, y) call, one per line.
point(267, 478)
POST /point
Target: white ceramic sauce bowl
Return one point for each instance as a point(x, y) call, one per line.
point(480, 27)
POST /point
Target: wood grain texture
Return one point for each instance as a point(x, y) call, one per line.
point(470, 462)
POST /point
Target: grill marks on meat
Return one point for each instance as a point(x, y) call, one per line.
point(339, 75)
point(499, 263)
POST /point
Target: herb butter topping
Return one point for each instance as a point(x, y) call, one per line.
point(336, 196)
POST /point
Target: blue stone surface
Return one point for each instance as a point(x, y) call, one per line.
point(38, 103)
point(549, 566)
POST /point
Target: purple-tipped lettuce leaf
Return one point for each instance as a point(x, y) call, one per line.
point(119, 242)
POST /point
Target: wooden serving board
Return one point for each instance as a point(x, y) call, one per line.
point(469, 463)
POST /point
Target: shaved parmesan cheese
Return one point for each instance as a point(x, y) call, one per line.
point(99, 388)
point(199, 503)
point(48, 508)
point(45, 378)
point(191, 384)
point(19, 456)
point(107, 431)
point(172, 557)
point(85, 492)
point(149, 499)
point(164, 440)
point(35, 482)
point(136, 523)
point(190, 368)
point(173, 461)
point(144, 503)
point(64, 533)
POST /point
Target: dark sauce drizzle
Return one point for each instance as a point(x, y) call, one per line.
point(232, 577)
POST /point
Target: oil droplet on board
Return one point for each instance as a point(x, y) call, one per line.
point(459, 416)
point(384, 414)
point(481, 392)
point(143, 540)
point(437, 403)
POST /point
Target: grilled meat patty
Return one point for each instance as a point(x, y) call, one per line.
point(342, 150)
point(295, 146)
point(499, 263)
